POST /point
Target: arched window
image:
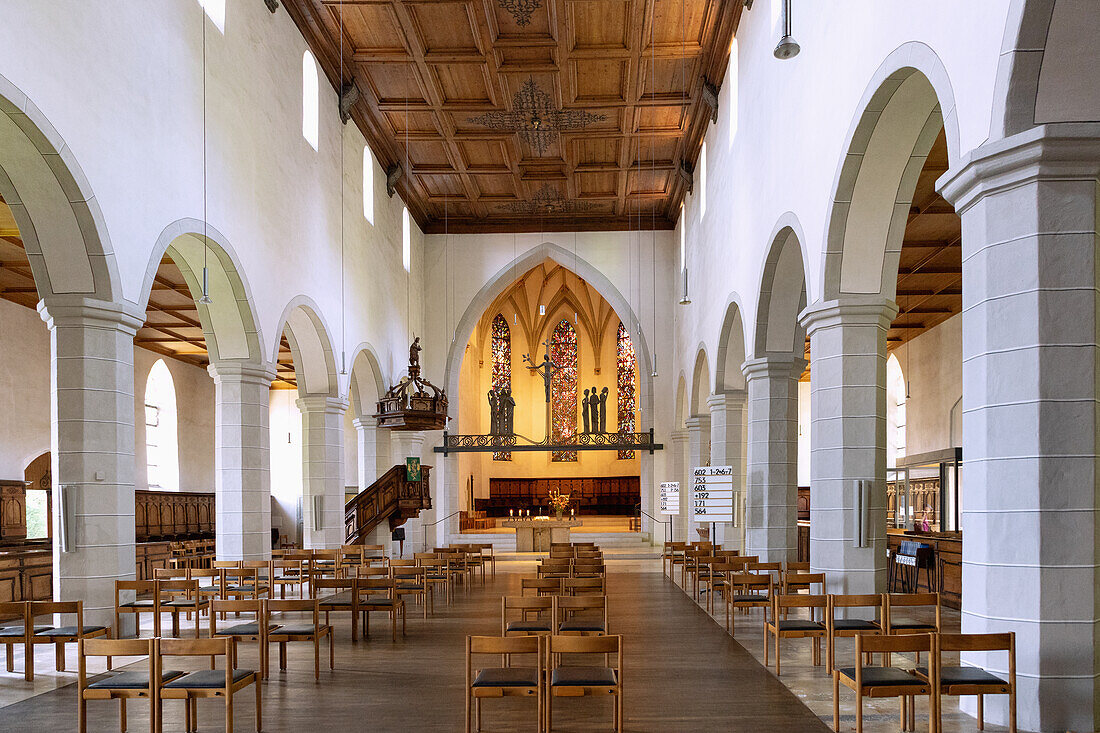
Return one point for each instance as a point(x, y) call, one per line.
point(895, 412)
point(627, 373)
point(563, 388)
point(161, 440)
point(502, 366)
point(310, 100)
point(368, 185)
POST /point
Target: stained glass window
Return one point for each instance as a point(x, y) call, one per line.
point(502, 366)
point(563, 388)
point(627, 366)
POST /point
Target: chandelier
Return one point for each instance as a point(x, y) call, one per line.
point(547, 200)
point(535, 118)
point(520, 9)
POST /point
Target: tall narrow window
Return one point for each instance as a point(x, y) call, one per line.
point(368, 185)
point(406, 240)
point(626, 365)
point(563, 388)
point(310, 99)
point(703, 181)
point(502, 366)
point(215, 10)
point(161, 439)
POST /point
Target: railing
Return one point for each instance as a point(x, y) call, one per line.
point(424, 528)
point(391, 498)
point(668, 524)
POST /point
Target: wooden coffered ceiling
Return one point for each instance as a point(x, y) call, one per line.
point(425, 67)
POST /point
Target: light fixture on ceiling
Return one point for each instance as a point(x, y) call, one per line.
point(535, 118)
point(787, 48)
point(520, 9)
point(547, 200)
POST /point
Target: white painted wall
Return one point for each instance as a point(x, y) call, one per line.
point(24, 389)
point(286, 460)
point(932, 362)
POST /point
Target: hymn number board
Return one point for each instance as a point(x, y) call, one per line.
point(712, 494)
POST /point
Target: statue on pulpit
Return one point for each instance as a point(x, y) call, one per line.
point(414, 353)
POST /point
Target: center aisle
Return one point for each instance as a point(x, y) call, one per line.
point(682, 673)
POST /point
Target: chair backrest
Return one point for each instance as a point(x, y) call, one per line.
point(525, 604)
point(15, 610)
point(979, 643)
point(584, 586)
point(883, 643)
point(727, 553)
point(799, 579)
point(103, 647)
point(797, 567)
point(797, 600)
point(367, 571)
point(765, 567)
point(140, 587)
point(291, 605)
point(607, 644)
point(42, 608)
point(172, 587)
point(911, 600)
point(751, 582)
point(862, 600)
point(170, 573)
point(335, 584)
point(572, 604)
point(371, 585)
point(551, 586)
point(295, 565)
point(224, 564)
point(503, 645)
point(256, 565)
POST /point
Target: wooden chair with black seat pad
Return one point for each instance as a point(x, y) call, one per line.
point(746, 591)
point(456, 569)
point(210, 582)
point(690, 567)
point(412, 581)
point(120, 685)
point(556, 568)
point(488, 556)
point(375, 555)
point(541, 586)
point(588, 568)
point(673, 555)
point(176, 597)
point(708, 580)
point(298, 629)
point(780, 626)
point(286, 573)
point(772, 569)
point(506, 681)
point(577, 680)
point(435, 575)
point(580, 615)
point(223, 683)
point(337, 595)
point(474, 559)
point(888, 681)
point(23, 633)
point(796, 581)
point(379, 595)
point(541, 607)
point(896, 624)
point(59, 636)
point(962, 680)
point(585, 586)
point(838, 627)
point(145, 600)
point(241, 629)
point(243, 583)
point(263, 577)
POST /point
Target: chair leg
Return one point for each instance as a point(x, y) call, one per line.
point(259, 706)
point(28, 661)
point(331, 651)
point(59, 656)
point(777, 653)
point(981, 712)
point(468, 708)
point(11, 656)
point(229, 712)
point(316, 658)
point(122, 715)
point(859, 711)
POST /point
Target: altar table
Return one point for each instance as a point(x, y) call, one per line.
point(536, 534)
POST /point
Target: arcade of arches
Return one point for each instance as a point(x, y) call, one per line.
point(626, 241)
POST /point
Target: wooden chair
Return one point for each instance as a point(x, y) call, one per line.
point(557, 568)
point(490, 557)
point(255, 630)
point(673, 554)
point(389, 602)
point(772, 569)
point(849, 627)
point(375, 555)
point(541, 586)
point(527, 606)
point(897, 624)
point(61, 635)
point(412, 581)
point(474, 559)
point(573, 615)
point(506, 681)
point(585, 586)
point(708, 577)
point(206, 683)
point(795, 581)
point(243, 583)
point(337, 595)
point(176, 597)
point(121, 686)
point(794, 628)
point(887, 681)
point(210, 582)
point(588, 568)
point(746, 591)
point(288, 631)
point(286, 573)
point(436, 574)
point(145, 600)
point(960, 680)
point(578, 681)
point(21, 633)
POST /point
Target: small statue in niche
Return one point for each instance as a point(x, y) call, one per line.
point(603, 410)
point(584, 413)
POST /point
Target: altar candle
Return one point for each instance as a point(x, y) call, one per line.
point(511, 512)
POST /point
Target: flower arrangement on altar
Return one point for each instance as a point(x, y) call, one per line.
point(559, 502)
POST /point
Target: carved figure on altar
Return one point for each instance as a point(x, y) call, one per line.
point(603, 410)
point(494, 413)
point(584, 413)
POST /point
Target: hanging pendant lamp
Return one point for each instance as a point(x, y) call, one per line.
point(787, 48)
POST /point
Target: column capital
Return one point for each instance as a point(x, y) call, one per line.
point(322, 403)
point(851, 310)
point(730, 400)
point(697, 422)
point(242, 370)
point(366, 422)
point(784, 366)
point(1061, 151)
point(678, 436)
point(72, 310)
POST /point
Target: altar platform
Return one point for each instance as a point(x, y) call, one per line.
point(535, 534)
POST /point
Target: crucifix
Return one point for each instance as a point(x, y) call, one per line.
point(546, 369)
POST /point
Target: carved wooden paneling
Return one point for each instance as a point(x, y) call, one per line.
point(423, 69)
point(13, 510)
point(589, 495)
point(391, 498)
point(164, 515)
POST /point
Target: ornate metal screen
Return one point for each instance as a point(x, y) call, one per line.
point(502, 365)
point(563, 388)
point(627, 366)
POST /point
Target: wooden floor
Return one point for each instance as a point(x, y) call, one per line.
point(683, 673)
